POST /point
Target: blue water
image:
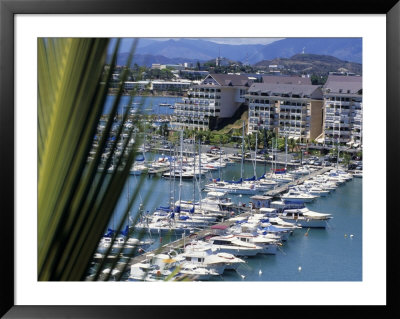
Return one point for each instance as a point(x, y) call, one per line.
point(149, 105)
point(324, 255)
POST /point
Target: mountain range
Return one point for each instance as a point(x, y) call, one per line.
point(313, 64)
point(181, 50)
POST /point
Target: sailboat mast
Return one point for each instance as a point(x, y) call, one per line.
point(286, 153)
point(180, 174)
point(220, 160)
point(241, 165)
point(171, 198)
point(276, 149)
point(129, 212)
point(255, 157)
point(200, 162)
point(199, 171)
point(338, 143)
point(173, 184)
point(194, 172)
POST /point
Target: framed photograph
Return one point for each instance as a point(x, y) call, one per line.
point(359, 273)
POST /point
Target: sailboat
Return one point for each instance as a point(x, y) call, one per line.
point(233, 187)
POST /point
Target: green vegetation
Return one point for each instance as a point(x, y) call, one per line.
point(75, 201)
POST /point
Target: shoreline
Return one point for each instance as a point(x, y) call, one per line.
point(147, 95)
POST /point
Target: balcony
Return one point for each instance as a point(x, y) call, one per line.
point(337, 103)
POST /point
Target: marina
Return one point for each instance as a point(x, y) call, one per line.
point(211, 203)
point(167, 242)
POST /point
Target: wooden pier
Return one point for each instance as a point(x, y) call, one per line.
point(301, 180)
point(178, 244)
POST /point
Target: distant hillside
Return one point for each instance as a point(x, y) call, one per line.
point(314, 63)
point(200, 49)
point(347, 49)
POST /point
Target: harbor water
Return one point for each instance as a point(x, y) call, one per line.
point(147, 104)
point(331, 254)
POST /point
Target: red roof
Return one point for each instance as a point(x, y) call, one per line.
point(219, 227)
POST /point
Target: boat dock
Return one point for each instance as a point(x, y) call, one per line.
point(178, 244)
point(285, 187)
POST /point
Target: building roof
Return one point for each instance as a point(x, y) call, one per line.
point(282, 79)
point(302, 90)
point(343, 84)
point(231, 79)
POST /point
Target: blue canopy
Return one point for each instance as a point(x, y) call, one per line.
point(184, 217)
point(241, 221)
point(261, 177)
point(234, 182)
point(125, 231)
point(109, 233)
point(250, 179)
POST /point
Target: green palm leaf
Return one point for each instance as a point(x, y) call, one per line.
point(75, 203)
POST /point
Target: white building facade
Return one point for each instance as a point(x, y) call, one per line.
point(292, 110)
point(217, 97)
point(343, 110)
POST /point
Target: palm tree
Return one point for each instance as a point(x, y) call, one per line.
point(267, 137)
point(75, 202)
point(292, 144)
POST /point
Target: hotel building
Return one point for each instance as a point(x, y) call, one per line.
point(293, 110)
point(216, 98)
point(343, 110)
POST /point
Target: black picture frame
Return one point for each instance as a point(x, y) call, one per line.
point(8, 10)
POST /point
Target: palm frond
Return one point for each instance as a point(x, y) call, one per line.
point(75, 203)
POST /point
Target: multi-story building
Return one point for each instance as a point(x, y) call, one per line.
point(139, 85)
point(292, 110)
point(343, 110)
point(216, 98)
point(182, 85)
point(286, 79)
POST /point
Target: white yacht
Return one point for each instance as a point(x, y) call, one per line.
point(121, 245)
point(297, 197)
point(269, 245)
point(232, 188)
point(196, 272)
point(232, 245)
point(155, 268)
point(218, 202)
point(306, 218)
point(205, 255)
